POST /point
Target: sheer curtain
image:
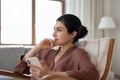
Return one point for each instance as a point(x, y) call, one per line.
point(89, 11)
point(92, 11)
point(73, 7)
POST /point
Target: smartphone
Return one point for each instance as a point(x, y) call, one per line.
point(34, 61)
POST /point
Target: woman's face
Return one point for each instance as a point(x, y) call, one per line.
point(61, 35)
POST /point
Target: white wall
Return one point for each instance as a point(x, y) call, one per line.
point(112, 8)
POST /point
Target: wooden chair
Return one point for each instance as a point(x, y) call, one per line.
point(100, 52)
point(12, 74)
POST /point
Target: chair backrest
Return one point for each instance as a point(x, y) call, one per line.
point(100, 52)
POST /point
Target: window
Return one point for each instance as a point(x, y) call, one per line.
point(28, 21)
point(46, 15)
point(16, 21)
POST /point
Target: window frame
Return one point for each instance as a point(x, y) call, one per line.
point(33, 22)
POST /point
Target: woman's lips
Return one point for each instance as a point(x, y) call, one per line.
point(55, 40)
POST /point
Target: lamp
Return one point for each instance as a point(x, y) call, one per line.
point(106, 23)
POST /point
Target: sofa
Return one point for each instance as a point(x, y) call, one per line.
point(10, 54)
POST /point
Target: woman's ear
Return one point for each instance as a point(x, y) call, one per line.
point(73, 35)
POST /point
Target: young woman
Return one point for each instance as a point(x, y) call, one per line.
point(67, 60)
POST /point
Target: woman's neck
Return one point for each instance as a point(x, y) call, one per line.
point(64, 48)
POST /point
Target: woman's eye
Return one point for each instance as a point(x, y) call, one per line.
point(59, 30)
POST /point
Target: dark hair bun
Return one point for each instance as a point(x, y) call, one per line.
point(83, 32)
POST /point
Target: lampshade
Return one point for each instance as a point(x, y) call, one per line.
point(106, 23)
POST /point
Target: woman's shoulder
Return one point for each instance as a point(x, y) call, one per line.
point(79, 51)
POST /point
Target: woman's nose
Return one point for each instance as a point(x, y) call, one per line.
point(54, 34)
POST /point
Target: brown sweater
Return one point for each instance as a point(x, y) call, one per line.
point(75, 62)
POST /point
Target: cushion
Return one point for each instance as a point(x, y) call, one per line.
point(97, 50)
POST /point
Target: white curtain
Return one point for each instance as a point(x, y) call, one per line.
point(92, 12)
point(89, 11)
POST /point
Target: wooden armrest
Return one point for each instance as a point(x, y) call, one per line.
point(51, 77)
point(57, 77)
point(12, 74)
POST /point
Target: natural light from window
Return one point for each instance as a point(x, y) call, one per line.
point(46, 14)
point(16, 20)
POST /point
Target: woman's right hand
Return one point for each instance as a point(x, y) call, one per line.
point(46, 43)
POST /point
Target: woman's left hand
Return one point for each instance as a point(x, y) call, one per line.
point(38, 72)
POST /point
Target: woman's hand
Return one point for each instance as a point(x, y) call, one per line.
point(37, 72)
point(46, 43)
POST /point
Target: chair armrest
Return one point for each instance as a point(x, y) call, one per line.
point(51, 77)
point(57, 77)
point(12, 74)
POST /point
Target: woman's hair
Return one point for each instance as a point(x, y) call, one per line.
point(73, 23)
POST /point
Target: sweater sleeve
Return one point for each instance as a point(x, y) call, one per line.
point(86, 70)
point(21, 67)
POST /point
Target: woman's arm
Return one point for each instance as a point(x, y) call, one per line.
point(39, 73)
point(21, 66)
point(44, 44)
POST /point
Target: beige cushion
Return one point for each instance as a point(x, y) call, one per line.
point(98, 51)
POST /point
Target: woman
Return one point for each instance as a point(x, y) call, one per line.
point(68, 60)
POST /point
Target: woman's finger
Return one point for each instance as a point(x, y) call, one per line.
point(51, 43)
